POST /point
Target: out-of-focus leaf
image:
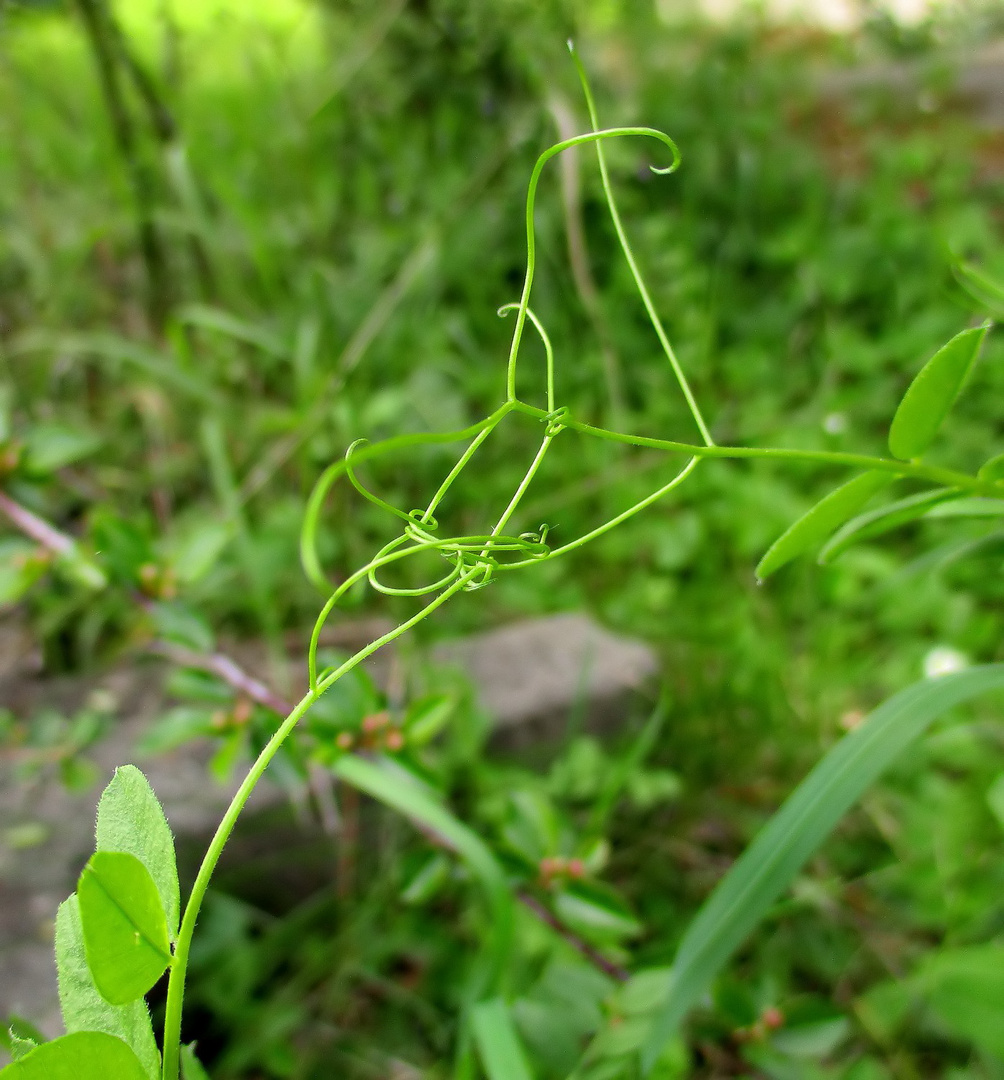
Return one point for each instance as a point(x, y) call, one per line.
point(427, 716)
point(125, 929)
point(595, 912)
point(194, 553)
point(131, 819)
point(992, 469)
point(418, 804)
point(779, 851)
point(964, 987)
point(428, 881)
point(883, 520)
point(931, 395)
point(48, 447)
point(177, 622)
point(210, 318)
point(813, 527)
point(976, 507)
point(191, 1067)
point(498, 1044)
point(175, 728)
point(83, 1007)
point(84, 1055)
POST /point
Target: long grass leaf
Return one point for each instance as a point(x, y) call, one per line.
point(779, 851)
point(498, 1043)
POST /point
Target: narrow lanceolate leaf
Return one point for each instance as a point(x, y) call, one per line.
point(131, 819)
point(975, 507)
point(993, 469)
point(883, 520)
point(84, 1009)
point(813, 527)
point(497, 1042)
point(931, 395)
point(414, 802)
point(125, 931)
point(85, 1055)
point(780, 850)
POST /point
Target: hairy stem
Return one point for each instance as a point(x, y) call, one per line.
point(179, 969)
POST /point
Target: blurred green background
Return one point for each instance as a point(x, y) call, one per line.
point(234, 237)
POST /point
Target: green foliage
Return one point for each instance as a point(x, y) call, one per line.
point(84, 1055)
point(84, 1008)
point(124, 926)
point(932, 394)
point(131, 820)
point(770, 863)
point(299, 300)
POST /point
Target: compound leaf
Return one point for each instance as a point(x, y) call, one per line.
point(497, 1042)
point(813, 527)
point(125, 931)
point(84, 1055)
point(83, 1008)
point(931, 395)
point(131, 819)
point(805, 820)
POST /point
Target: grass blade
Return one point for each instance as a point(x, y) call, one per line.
point(498, 1043)
point(931, 395)
point(424, 810)
point(805, 820)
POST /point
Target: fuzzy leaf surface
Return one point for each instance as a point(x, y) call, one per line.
point(131, 819)
point(125, 930)
point(83, 1007)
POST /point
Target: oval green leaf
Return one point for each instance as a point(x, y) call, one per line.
point(813, 527)
point(85, 1055)
point(805, 820)
point(131, 819)
point(125, 930)
point(883, 520)
point(931, 395)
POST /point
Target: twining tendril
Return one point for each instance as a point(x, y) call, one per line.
point(474, 561)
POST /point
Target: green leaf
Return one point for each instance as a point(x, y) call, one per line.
point(417, 803)
point(83, 1008)
point(595, 912)
point(813, 527)
point(177, 622)
point(191, 1067)
point(49, 447)
point(964, 987)
point(931, 395)
point(131, 819)
point(976, 507)
point(497, 1042)
point(84, 1055)
point(194, 553)
point(882, 520)
point(19, 1047)
point(805, 820)
point(993, 469)
point(125, 929)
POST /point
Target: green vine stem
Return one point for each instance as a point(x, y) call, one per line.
point(475, 559)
